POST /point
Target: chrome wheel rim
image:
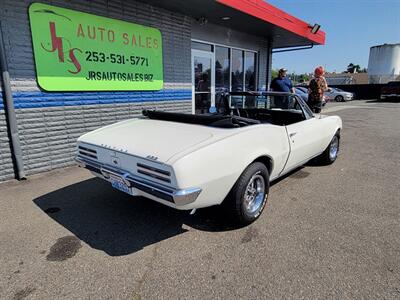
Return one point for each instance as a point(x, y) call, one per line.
point(254, 194)
point(334, 148)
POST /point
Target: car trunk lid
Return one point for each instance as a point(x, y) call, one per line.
point(154, 139)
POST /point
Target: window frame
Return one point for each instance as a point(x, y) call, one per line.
point(256, 65)
point(307, 112)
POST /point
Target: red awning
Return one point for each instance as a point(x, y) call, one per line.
point(273, 15)
point(255, 17)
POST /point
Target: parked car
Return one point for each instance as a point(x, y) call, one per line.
point(303, 89)
point(338, 95)
point(192, 161)
point(391, 90)
point(301, 93)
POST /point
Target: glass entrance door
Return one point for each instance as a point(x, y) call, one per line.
point(203, 81)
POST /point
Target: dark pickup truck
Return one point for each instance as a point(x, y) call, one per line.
point(391, 90)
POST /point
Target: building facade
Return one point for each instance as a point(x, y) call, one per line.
point(208, 47)
point(346, 78)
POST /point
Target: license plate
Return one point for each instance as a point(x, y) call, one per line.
point(119, 184)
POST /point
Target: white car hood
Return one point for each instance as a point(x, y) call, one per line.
point(144, 137)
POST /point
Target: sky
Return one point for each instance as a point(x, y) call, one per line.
point(351, 28)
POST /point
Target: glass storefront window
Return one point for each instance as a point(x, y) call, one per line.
point(237, 70)
point(232, 69)
point(250, 73)
point(221, 69)
point(202, 83)
point(202, 46)
point(222, 65)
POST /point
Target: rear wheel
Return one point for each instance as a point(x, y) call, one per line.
point(248, 197)
point(339, 98)
point(331, 152)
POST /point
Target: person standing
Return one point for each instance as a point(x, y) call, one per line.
point(316, 89)
point(281, 84)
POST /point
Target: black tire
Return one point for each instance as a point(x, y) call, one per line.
point(238, 203)
point(339, 99)
point(329, 156)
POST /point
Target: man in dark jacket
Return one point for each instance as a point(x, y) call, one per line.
point(281, 84)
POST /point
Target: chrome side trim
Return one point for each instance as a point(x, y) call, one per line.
point(177, 196)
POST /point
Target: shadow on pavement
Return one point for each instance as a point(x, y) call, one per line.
point(120, 224)
point(109, 220)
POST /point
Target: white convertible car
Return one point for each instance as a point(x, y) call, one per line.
point(192, 161)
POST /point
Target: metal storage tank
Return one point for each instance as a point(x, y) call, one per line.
point(384, 63)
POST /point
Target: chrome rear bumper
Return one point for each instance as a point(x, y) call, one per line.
point(177, 196)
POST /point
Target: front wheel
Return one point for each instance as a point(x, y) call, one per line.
point(247, 199)
point(331, 152)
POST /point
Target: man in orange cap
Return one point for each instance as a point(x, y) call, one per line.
point(316, 90)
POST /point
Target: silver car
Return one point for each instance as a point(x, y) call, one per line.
point(338, 95)
point(302, 93)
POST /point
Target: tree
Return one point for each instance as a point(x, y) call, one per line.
point(274, 73)
point(352, 68)
point(303, 78)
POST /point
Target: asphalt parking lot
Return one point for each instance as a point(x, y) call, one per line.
point(327, 232)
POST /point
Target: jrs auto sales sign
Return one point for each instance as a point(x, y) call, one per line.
point(76, 51)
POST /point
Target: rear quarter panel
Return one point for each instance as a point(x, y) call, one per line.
point(216, 167)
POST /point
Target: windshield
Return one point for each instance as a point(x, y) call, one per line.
point(276, 102)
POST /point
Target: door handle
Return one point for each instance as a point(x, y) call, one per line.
point(292, 134)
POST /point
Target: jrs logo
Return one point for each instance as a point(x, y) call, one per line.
point(58, 47)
